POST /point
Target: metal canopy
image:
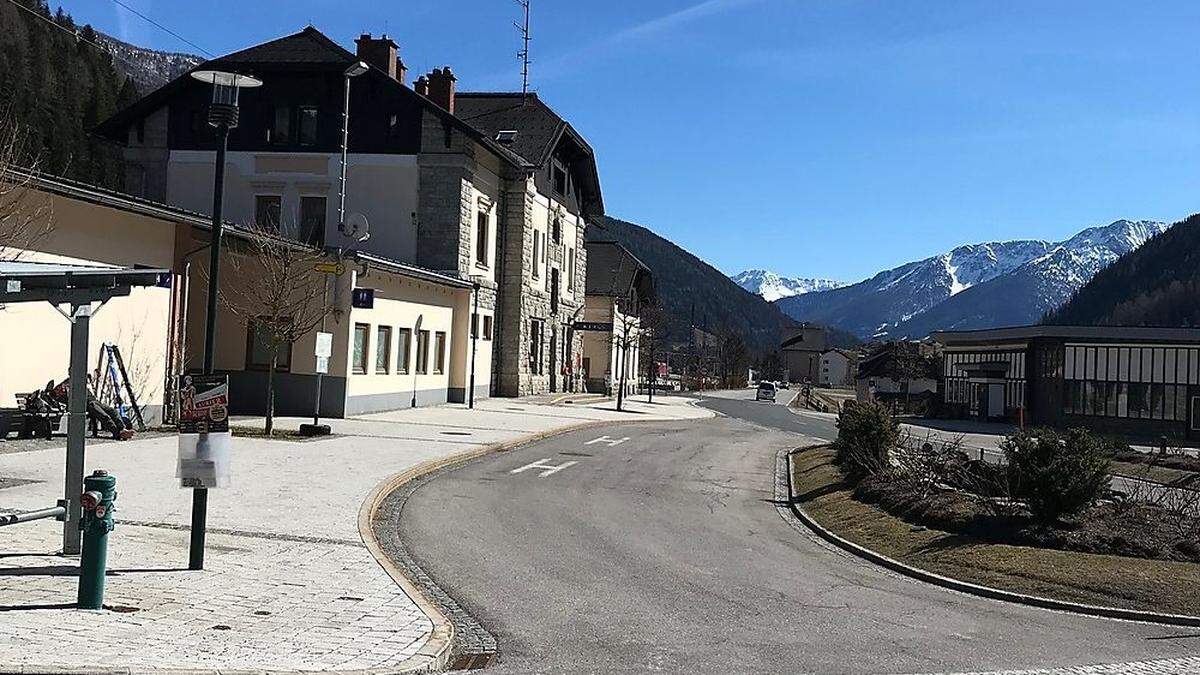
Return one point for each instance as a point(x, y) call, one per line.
point(78, 286)
point(75, 284)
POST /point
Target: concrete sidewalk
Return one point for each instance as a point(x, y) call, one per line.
point(288, 584)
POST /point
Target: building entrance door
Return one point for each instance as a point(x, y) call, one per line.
point(1195, 425)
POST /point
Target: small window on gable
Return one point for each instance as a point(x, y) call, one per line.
point(393, 126)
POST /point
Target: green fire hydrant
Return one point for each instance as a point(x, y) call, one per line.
point(97, 502)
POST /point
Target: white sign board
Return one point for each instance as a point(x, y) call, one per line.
point(323, 365)
point(324, 345)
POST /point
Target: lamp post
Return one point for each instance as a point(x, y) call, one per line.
point(222, 114)
point(354, 70)
point(474, 329)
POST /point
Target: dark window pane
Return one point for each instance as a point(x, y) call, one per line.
point(308, 126)
point(267, 209)
point(360, 348)
point(281, 130)
point(312, 220)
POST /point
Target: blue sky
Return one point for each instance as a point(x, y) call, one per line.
point(828, 138)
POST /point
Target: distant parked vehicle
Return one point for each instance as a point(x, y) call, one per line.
point(783, 384)
point(766, 392)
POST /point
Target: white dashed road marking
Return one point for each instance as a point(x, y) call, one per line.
point(610, 442)
point(547, 469)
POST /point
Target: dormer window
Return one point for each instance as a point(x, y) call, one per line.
point(506, 137)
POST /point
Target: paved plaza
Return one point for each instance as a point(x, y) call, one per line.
point(289, 584)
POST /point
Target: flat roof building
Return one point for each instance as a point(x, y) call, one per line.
point(1139, 382)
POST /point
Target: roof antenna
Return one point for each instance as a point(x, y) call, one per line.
point(524, 53)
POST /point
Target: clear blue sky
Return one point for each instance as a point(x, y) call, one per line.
point(827, 138)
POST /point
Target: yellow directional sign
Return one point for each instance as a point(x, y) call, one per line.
point(336, 269)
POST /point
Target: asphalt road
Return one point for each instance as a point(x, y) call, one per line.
point(657, 547)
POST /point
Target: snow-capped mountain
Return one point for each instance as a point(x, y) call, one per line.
point(973, 286)
point(772, 287)
point(149, 68)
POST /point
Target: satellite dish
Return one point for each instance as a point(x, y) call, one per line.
point(358, 227)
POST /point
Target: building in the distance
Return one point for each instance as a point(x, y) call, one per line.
point(1134, 381)
point(618, 285)
point(837, 368)
point(802, 347)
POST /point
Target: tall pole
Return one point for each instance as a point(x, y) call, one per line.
point(76, 426)
point(475, 327)
point(200, 495)
point(345, 150)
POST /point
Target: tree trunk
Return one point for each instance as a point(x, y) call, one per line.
point(270, 425)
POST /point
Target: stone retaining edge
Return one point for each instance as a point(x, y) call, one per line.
point(964, 586)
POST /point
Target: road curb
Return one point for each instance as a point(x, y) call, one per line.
point(436, 653)
point(784, 462)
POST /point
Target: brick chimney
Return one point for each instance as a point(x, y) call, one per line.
point(421, 86)
point(401, 71)
point(441, 87)
point(379, 52)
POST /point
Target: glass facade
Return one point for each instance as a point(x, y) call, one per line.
point(1137, 382)
point(958, 389)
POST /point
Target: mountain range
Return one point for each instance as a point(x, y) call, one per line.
point(1156, 285)
point(972, 286)
point(772, 286)
point(149, 69)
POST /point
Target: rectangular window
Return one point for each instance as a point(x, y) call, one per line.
point(1112, 370)
point(393, 126)
point(1123, 364)
point(481, 238)
point(312, 220)
point(361, 345)
point(537, 254)
point(267, 209)
point(487, 327)
point(1139, 400)
point(560, 180)
point(1196, 413)
point(570, 269)
point(423, 352)
point(308, 125)
point(281, 129)
point(260, 339)
point(1181, 404)
point(383, 350)
point(403, 347)
point(536, 329)
point(556, 229)
point(439, 352)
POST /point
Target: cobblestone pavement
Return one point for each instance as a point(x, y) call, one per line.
point(1184, 666)
point(288, 584)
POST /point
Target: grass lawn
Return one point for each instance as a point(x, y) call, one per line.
point(1131, 583)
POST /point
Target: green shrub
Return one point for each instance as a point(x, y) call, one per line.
point(1057, 474)
point(867, 435)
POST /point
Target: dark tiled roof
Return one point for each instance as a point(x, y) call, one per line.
point(539, 131)
point(537, 125)
point(612, 271)
point(308, 49)
point(309, 46)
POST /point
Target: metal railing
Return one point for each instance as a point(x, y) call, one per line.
point(57, 512)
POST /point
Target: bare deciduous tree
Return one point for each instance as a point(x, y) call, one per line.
point(25, 217)
point(274, 289)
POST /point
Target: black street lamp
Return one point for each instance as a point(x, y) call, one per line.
point(222, 114)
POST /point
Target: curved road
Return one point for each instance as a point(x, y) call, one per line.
point(659, 547)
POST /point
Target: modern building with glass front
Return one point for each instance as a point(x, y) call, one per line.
point(1133, 381)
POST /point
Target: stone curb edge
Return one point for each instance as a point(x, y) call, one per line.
point(435, 654)
point(963, 586)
